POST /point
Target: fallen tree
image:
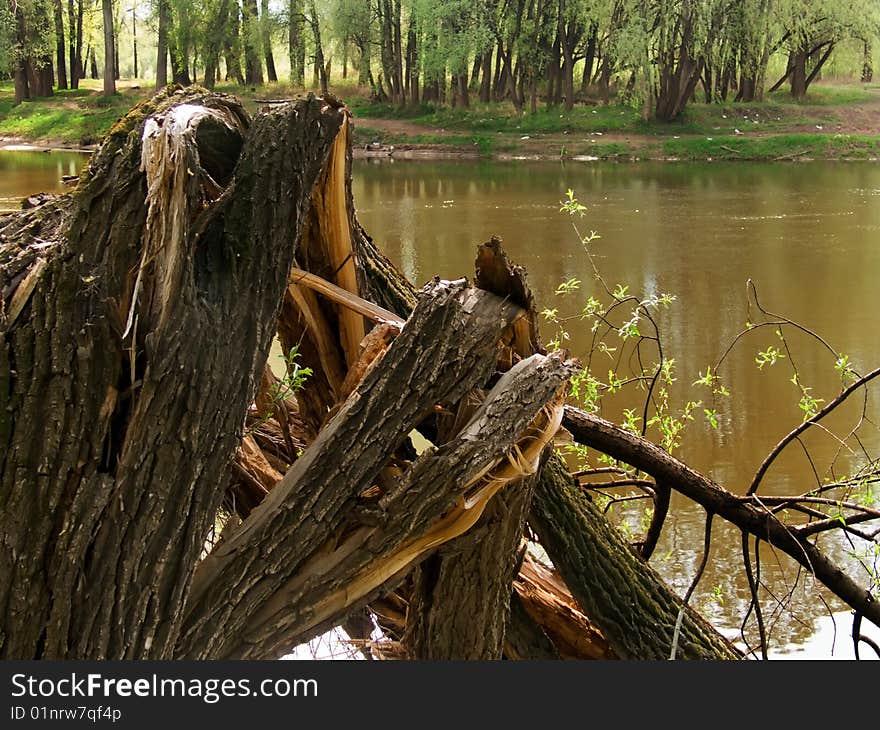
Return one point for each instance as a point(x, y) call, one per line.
point(140, 421)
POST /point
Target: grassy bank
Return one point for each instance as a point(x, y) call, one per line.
point(836, 121)
point(75, 117)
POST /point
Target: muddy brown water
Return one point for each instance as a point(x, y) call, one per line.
point(807, 235)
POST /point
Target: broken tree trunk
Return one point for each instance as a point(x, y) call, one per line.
point(137, 315)
point(623, 596)
point(126, 369)
point(459, 607)
point(350, 545)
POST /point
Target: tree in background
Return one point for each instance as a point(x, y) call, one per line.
point(109, 48)
point(266, 29)
point(29, 40)
point(296, 41)
point(250, 30)
point(813, 29)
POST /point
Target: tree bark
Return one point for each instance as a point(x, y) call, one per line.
point(74, 41)
point(621, 594)
point(253, 67)
point(265, 32)
point(141, 290)
point(461, 602)
point(60, 62)
point(296, 42)
point(137, 430)
point(109, 48)
point(798, 65)
point(162, 46)
point(320, 68)
point(867, 74)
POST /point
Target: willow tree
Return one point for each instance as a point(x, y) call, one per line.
point(813, 30)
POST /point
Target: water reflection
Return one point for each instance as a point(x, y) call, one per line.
point(24, 173)
point(804, 233)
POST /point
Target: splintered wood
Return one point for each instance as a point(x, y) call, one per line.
point(495, 432)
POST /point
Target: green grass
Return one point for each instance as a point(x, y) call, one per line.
point(364, 135)
point(72, 117)
point(831, 94)
point(607, 150)
point(502, 117)
point(776, 147)
point(81, 117)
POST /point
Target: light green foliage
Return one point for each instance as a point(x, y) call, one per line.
point(460, 29)
point(294, 379)
point(770, 357)
point(814, 21)
point(622, 328)
point(38, 40)
point(844, 369)
point(7, 38)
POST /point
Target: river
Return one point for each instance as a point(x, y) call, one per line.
point(806, 234)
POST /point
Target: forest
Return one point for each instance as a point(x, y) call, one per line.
point(656, 55)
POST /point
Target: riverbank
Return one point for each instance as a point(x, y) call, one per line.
point(835, 122)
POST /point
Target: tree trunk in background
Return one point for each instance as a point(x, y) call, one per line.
point(798, 65)
point(93, 64)
point(570, 33)
point(867, 63)
point(678, 70)
point(412, 64)
point(365, 71)
point(486, 78)
point(296, 43)
point(179, 61)
point(232, 45)
point(20, 69)
point(320, 68)
point(74, 41)
point(552, 72)
point(116, 74)
point(460, 89)
point(109, 49)
point(162, 46)
point(398, 51)
point(214, 43)
point(60, 62)
point(266, 34)
point(590, 58)
point(387, 49)
point(134, 43)
point(253, 67)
